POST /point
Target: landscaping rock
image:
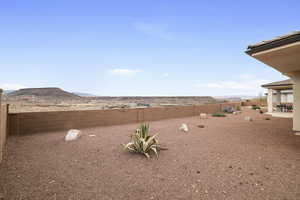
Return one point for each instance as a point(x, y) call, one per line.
point(203, 116)
point(184, 128)
point(237, 112)
point(247, 118)
point(73, 134)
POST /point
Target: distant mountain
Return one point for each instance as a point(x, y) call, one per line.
point(44, 93)
point(8, 91)
point(82, 94)
point(235, 97)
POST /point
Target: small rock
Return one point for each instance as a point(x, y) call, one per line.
point(267, 118)
point(53, 181)
point(198, 172)
point(238, 112)
point(184, 128)
point(206, 192)
point(73, 134)
point(203, 116)
point(247, 118)
point(200, 126)
point(251, 174)
point(297, 133)
point(92, 135)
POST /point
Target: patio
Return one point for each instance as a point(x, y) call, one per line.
point(229, 158)
point(281, 114)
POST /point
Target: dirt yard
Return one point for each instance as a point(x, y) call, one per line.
point(229, 158)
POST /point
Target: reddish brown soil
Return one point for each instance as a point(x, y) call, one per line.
point(229, 158)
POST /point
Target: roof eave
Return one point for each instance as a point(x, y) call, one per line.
point(273, 44)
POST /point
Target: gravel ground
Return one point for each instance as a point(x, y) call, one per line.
point(229, 158)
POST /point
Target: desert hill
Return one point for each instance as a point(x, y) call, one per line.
point(44, 93)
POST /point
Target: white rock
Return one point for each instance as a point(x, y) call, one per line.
point(237, 112)
point(203, 116)
point(73, 134)
point(184, 128)
point(247, 118)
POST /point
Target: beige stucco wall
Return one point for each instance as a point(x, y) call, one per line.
point(296, 119)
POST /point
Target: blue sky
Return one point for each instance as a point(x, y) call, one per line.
point(140, 47)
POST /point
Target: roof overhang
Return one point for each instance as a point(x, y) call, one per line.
point(279, 87)
point(283, 54)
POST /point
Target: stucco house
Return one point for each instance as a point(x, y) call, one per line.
point(283, 54)
point(280, 95)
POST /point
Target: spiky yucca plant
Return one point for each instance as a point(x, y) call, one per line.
point(142, 142)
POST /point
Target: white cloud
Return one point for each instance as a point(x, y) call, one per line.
point(247, 76)
point(165, 75)
point(153, 30)
point(125, 72)
point(9, 86)
point(245, 84)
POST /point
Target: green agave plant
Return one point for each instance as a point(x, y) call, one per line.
point(142, 142)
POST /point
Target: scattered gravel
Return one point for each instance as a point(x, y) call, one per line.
point(229, 159)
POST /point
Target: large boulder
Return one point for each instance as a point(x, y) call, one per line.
point(184, 128)
point(247, 118)
point(73, 134)
point(203, 116)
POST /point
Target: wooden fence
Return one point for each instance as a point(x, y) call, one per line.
point(39, 122)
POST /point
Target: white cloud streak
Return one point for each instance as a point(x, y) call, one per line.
point(153, 30)
point(165, 75)
point(11, 86)
point(124, 72)
point(246, 84)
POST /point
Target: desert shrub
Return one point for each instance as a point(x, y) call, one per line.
point(228, 109)
point(142, 142)
point(255, 107)
point(238, 108)
point(218, 115)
